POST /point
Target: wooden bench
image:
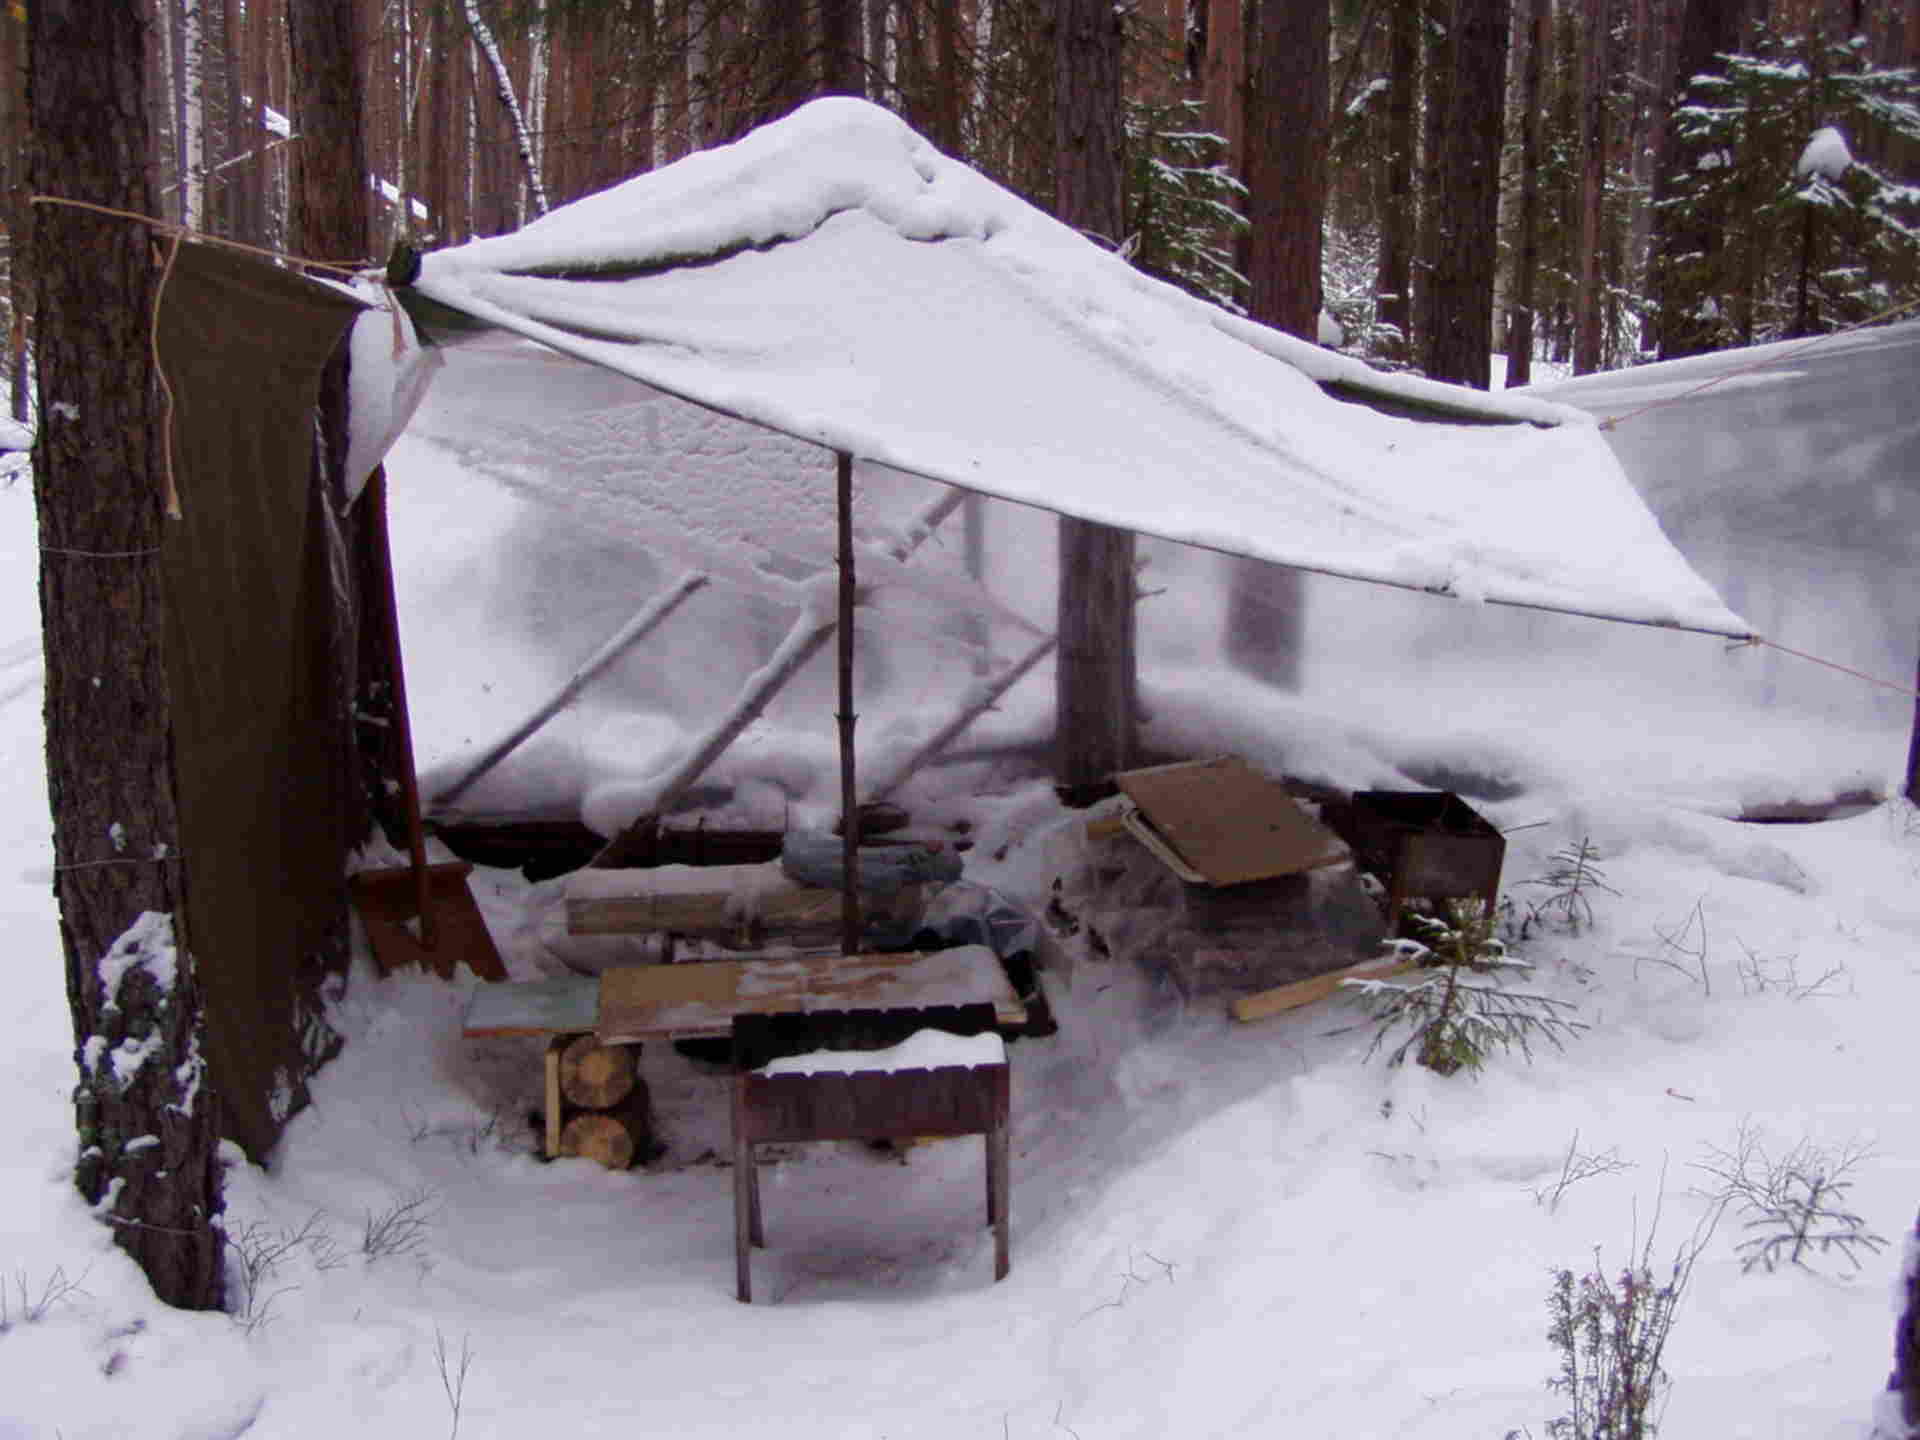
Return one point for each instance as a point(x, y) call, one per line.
point(862, 1104)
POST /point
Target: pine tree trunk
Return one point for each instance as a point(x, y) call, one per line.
point(840, 67)
point(1285, 171)
point(1393, 287)
point(1094, 713)
point(1286, 165)
point(147, 1122)
point(1437, 82)
point(1460, 343)
point(1520, 332)
point(331, 214)
point(1595, 26)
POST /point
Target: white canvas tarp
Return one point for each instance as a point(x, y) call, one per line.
point(835, 278)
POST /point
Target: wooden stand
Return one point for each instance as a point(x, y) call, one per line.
point(862, 1104)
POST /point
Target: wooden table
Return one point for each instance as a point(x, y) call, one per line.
point(637, 1003)
point(642, 1002)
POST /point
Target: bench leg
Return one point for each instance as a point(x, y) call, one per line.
point(998, 1188)
point(743, 1188)
point(755, 1232)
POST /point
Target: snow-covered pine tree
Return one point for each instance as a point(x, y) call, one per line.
point(1183, 203)
point(1815, 236)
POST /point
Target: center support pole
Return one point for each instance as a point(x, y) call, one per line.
point(849, 820)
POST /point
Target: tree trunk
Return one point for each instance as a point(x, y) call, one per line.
point(148, 1127)
point(1437, 83)
point(1595, 27)
point(1527, 261)
point(840, 64)
point(1393, 287)
point(496, 64)
point(1285, 170)
point(331, 214)
point(1224, 79)
point(1460, 344)
point(1095, 678)
point(1286, 165)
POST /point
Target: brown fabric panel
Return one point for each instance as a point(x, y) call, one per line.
point(260, 750)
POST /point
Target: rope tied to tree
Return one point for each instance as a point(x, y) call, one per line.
point(175, 235)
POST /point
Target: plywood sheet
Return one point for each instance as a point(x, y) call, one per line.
point(1230, 823)
point(640, 1002)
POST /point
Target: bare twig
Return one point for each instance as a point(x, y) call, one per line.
point(1574, 1168)
point(453, 1378)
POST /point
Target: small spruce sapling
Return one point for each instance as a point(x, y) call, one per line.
point(1573, 878)
point(1793, 1204)
point(1458, 1011)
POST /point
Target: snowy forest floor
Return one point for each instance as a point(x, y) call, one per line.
point(1218, 1230)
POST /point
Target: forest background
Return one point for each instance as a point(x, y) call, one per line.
point(1644, 169)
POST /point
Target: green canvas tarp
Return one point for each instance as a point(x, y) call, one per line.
point(259, 644)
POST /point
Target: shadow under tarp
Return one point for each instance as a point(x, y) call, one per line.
point(260, 665)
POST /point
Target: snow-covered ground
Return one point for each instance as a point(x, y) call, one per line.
point(1218, 1229)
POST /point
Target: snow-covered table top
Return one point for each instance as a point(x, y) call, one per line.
point(922, 1050)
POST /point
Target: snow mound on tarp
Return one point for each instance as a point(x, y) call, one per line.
point(834, 277)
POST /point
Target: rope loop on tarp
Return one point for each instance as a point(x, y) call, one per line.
point(1613, 422)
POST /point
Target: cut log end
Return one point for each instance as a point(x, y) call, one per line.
point(608, 1140)
point(596, 1076)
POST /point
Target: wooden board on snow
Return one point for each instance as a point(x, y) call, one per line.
point(1226, 822)
point(1282, 998)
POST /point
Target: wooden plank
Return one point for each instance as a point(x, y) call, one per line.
point(640, 1002)
point(565, 1005)
point(703, 900)
point(1292, 996)
point(554, 1047)
point(1229, 822)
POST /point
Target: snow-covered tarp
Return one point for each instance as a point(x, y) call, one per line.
point(837, 279)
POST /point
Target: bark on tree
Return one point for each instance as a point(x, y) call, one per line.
point(1095, 680)
point(840, 61)
point(148, 1130)
point(1687, 244)
point(1437, 82)
point(1527, 260)
point(1286, 175)
point(1286, 165)
point(1595, 71)
point(1393, 286)
point(331, 212)
point(1460, 342)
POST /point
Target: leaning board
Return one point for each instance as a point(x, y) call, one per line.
point(641, 1002)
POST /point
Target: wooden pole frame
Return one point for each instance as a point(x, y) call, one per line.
point(849, 818)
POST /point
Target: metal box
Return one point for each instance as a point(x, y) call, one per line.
point(1427, 844)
